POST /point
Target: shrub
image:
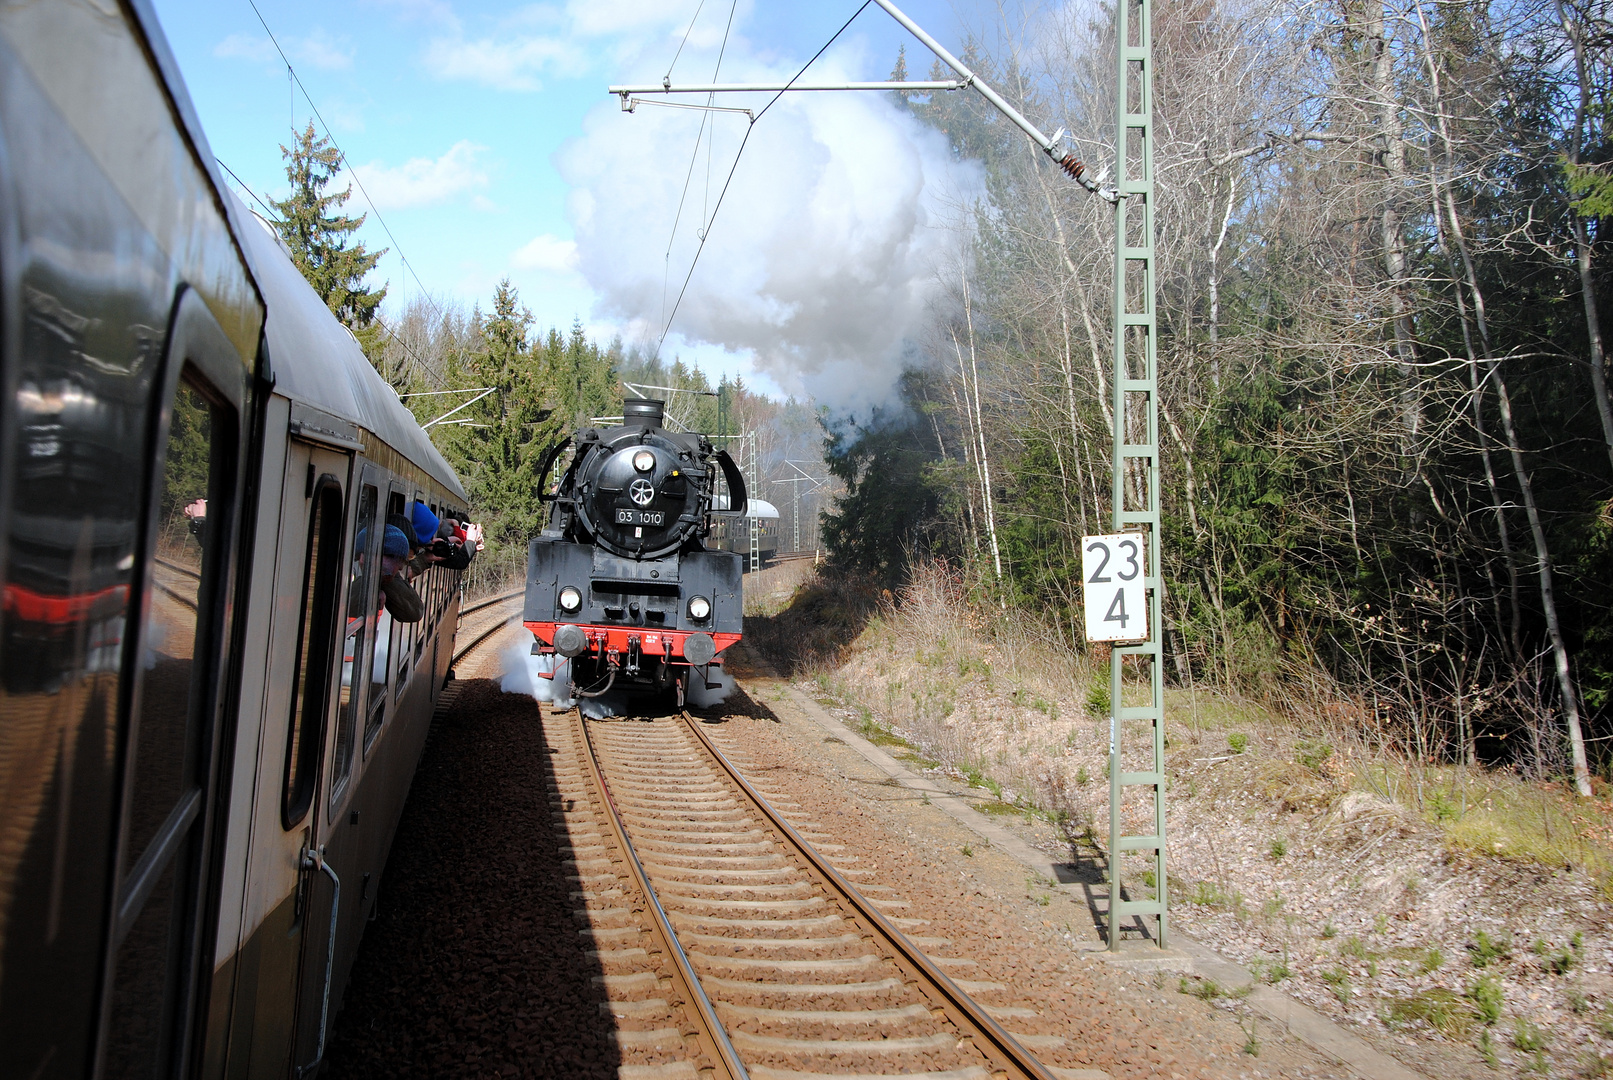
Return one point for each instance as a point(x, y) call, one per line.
point(1279, 848)
point(1238, 742)
point(1485, 950)
point(1311, 753)
point(1486, 996)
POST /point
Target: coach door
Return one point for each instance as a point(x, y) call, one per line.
point(304, 677)
point(328, 896)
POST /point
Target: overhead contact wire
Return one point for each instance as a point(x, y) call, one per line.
point(706, 233)
point(342, 154)
point(694, 156)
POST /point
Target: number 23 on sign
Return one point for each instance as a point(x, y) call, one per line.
point(1112, 587)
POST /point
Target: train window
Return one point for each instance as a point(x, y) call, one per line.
point(311, 691)
point(386, 642)
point(360, 608)
point(167, 751)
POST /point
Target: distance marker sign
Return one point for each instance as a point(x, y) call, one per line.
point(1112, 586)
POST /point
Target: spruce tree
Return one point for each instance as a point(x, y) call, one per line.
point(319, 235)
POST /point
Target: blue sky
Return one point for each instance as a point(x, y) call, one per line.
point(484, 135)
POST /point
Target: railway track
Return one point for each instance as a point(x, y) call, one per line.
point(488, 621)
point(728, 945)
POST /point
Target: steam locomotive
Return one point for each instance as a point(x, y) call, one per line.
point(622, 583)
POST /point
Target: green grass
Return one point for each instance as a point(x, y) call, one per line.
point(1446, 1011)
point(1485, 950)
point(1487, 998)
point(1338, 981)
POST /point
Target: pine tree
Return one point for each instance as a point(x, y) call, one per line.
point(318, 234)
point(506, 453)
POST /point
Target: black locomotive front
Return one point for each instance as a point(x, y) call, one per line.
point(621, 581)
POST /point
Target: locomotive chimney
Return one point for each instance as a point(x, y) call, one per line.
point(644, 412)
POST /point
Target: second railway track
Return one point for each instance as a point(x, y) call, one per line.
point(728, 944)
point(481, 620)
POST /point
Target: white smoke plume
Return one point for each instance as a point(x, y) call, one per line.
point(827, 250)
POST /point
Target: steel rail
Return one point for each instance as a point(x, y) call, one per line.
point(187, 571)
point(479, 638)
point(713, 1036)
point(181, 598)
point(965, 1013)
point(499, 599)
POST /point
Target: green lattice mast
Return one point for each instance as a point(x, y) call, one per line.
point(1135, 484)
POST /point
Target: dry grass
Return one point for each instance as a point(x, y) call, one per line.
point(1303, 835)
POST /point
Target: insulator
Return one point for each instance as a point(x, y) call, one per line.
point(1070, 165)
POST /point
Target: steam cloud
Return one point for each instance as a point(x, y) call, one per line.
point(840, 220)
point(523, 673)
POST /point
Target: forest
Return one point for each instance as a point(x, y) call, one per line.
point(1388, 442)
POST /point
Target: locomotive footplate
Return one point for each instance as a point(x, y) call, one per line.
point(629, 641)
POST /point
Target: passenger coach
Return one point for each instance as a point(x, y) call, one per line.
point(207, 724)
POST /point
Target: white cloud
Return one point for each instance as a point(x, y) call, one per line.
point(317, 50)
point(594, 18)
point(825, 256)
point(424, 181)
point(251, 47)
point(542, 39)
point(503, 63)
point(320, 50)
point(546, 252)
point(437, 11)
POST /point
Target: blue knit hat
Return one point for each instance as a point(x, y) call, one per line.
point(425, 522)
point(393, 542)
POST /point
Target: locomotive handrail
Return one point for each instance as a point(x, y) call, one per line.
point(550, 456)
point(315, 860)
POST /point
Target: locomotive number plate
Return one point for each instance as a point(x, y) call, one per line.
point(655, 518)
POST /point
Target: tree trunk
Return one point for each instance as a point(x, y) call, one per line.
point(1582, 241)
point(1548, 600)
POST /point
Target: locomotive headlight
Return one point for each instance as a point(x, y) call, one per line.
point(643, 461)
point(699, 608)
point(570, 599)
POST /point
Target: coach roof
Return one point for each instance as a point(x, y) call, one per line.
point(318, 362)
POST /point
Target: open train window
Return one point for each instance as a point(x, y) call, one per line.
point(386, 647)
point(360, 613)
point(310, 692)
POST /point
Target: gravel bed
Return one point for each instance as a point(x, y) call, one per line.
point(1016, 930)
point(471, 966)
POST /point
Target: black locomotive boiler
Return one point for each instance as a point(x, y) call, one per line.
point(622, 582)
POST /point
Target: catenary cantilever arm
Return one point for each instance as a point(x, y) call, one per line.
point(1051, 145)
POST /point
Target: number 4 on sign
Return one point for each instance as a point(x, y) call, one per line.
point(1112, 587)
